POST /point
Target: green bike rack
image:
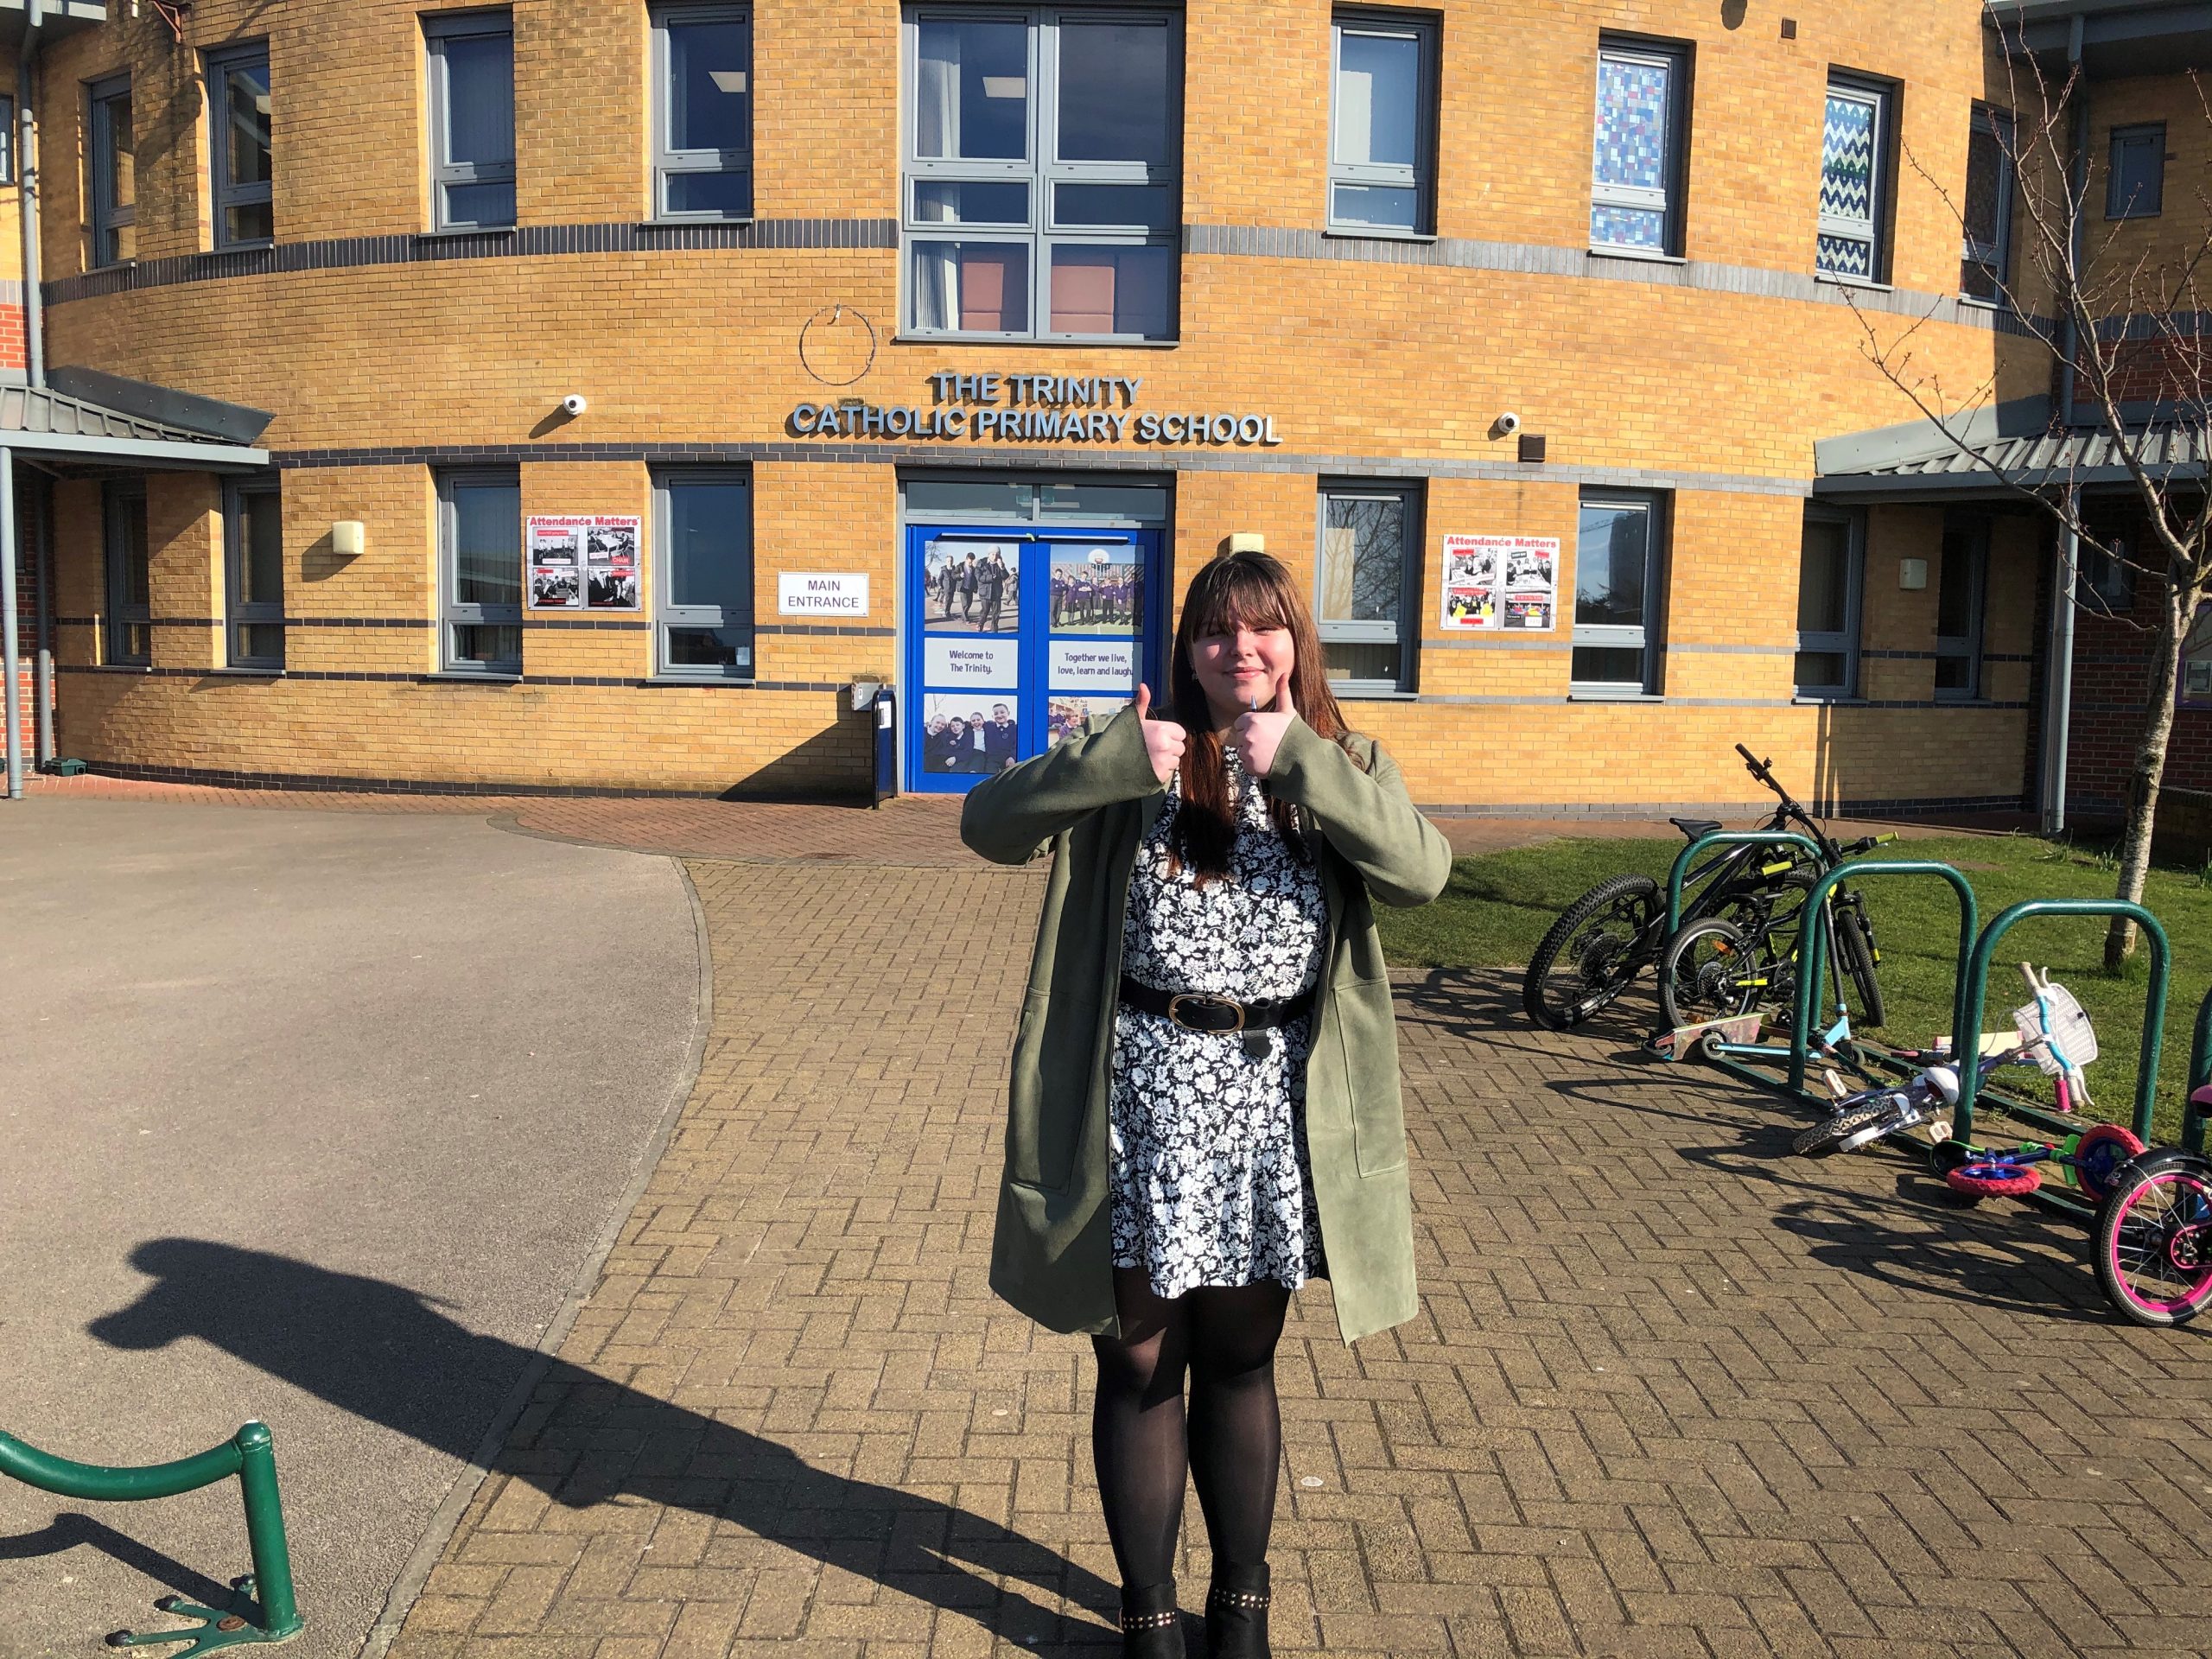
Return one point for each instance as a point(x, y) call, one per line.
point(1974, 995)
point(262, 1609)
point(2200, 1073)
point(1809, 978)
point(1684, 859)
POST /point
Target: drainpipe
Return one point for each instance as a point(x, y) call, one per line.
point(2058, 698)
point(26, 191)
point(42, 676)
point(2076, 182)
point(11, 662)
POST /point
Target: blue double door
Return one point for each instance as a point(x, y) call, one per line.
point(1014, 635)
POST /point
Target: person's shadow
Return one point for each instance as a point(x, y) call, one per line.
point(385, 1354)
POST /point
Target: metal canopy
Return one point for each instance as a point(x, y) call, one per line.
point(2017, 446)
point(36, 421)
point(2119, 38)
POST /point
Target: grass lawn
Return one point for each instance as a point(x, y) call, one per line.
point(1497, 907)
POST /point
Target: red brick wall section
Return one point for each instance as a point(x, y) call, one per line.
point(14, 351)
point(2112, 678)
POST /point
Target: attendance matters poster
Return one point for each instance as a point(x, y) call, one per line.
point(1500, 583)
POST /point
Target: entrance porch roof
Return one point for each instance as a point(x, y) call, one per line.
point(38, 421)
point(2014, 445)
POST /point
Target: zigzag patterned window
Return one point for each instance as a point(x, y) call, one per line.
point(1854, 182)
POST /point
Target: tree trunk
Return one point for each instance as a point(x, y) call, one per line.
point(2150, 767)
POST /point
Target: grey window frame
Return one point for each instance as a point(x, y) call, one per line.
point(668, 161)
point(1670, 200)
point(1650, 637)
point(1881, 187)
point(668, 614)
point(1427, 32)
point(8, 136)
point(116, 495)
point(2105, 586)
point(2183, 697)
point(1041, 172)
point(438, 27)
point(1996, 259)
point(2152, 133)
point(222, 193)
point(1405, 632)
point(108, 216)
point(453, 613)
point(1845, 642)
point(1966, 646)
point(239, 613)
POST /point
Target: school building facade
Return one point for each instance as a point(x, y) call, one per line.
point(600, 395)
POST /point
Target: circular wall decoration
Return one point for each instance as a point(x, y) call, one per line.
point(837, 345)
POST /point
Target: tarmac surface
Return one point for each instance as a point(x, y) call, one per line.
point(269, 1081)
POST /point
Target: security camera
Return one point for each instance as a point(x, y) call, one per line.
point(573, 404)
point(1506, 424)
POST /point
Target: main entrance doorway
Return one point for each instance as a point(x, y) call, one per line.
point(1013, 634)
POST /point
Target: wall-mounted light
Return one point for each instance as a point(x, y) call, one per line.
point(1245, 541)
point(1912, 575)
point(348, 537)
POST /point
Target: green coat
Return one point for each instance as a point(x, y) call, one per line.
point(1092, 799)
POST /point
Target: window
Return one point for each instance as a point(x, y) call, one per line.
point(7, 140)
point(2135, 184)
point(1041, 171)
point(2104, 581)
point(1986, 261)
point(1382, 125)
point(1831, 566)
point(2196, 660)
point(1959, 591)
point(237, 116)
point(1617, 586)
point(1855, 180)
point(253, 572)
point(703, 606)
point(471, 120)
point(1367, 593)
point(129, 581)
point(702, 145)
point(1635, 171)
point(480, 572)
point(115, 176)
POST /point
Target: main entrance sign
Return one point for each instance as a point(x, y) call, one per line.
point(1032, 409)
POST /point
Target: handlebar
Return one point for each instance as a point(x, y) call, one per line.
point(1760, 770)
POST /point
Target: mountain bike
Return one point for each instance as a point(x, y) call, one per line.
point(1602, 941)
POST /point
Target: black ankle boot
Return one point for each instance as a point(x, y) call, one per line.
point(1236, 1614)
point(1151, 1628)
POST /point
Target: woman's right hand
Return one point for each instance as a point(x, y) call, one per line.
point(1163, 738)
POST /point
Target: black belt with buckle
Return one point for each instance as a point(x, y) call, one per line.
point(1203, 1011)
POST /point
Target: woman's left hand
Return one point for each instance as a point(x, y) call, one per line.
point(1257, 736)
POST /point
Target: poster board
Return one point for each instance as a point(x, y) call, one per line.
point(582, 561)
point(1500, 584)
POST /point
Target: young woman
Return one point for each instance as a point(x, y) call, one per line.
point(1204, 1105)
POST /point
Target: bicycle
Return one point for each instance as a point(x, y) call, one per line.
point(2154, 1236)
point(1600, 942)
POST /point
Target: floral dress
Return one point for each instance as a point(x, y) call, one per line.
point(1207, 1130)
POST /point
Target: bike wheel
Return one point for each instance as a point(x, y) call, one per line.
point(1710, 970)
point(1854, 955)
point(1592, 952)
point(2154, 1238)
point(1829, 1134)
point(2101, 1152)
point(1993, 1178)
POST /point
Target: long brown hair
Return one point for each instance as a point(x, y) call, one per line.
point(1255, 591)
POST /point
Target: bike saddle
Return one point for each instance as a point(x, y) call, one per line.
point(1695, 827)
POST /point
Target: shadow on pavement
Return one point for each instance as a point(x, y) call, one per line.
point(385, 1354)
point(70, 1531)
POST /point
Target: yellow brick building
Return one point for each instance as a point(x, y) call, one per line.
point(1510, 327)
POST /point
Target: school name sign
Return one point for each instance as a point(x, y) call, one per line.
point(1029, 409)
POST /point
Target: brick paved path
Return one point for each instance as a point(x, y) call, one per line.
point(1672, 1393)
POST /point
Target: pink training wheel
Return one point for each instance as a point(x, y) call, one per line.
point(2100, 1152)
point(1993, 1178)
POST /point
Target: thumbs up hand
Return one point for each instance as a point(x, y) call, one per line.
point(1258, 735)
point(1163, 738)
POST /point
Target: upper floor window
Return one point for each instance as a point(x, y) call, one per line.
point(1831, 568)
point(704, 593)
point(1986, 261)
point(237, 107)
point(130, 577)
point(703, 133)
point(253, 572)
point(1855, 180)
point(7, 140)
point(2135, 183)
point(1383, 124)
point(472, 58)
point(1635, 170)
point(1618, 554)
point(1959, 587)
point(115, 176)
point(1366, 600)
point(1041, 174)
point(480, 572)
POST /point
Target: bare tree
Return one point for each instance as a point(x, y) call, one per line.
point(2120, 322)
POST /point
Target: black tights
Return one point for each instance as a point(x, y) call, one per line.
point(1233, 1445)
